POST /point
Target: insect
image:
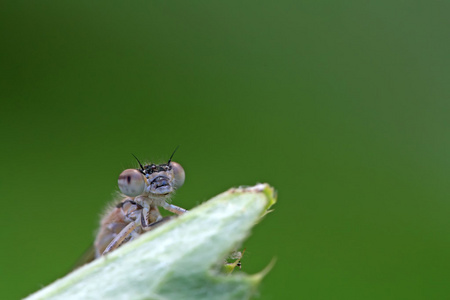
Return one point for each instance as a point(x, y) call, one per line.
point(144, 190)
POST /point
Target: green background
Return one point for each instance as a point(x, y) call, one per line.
point(343, 106)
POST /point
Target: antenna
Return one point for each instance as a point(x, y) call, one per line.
point(138, 162)
point(170, 159)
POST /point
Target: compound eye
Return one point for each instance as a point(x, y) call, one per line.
point(131, 182)
point(178, 173)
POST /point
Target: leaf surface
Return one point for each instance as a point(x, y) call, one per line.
point(179, 260)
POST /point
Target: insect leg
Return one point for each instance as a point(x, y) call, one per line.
point(173, 208)
point(120, 237)
point(147, 227)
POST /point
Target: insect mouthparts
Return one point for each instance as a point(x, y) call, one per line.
point(160, 181)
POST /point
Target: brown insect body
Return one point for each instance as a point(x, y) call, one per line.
point(117, 219)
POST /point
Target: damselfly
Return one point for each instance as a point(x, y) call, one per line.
point(144, 190)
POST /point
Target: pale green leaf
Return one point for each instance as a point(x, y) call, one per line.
point(179, 260)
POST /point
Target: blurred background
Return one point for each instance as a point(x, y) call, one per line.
point(342, 106)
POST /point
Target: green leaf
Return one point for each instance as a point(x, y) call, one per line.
point(179, 260)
